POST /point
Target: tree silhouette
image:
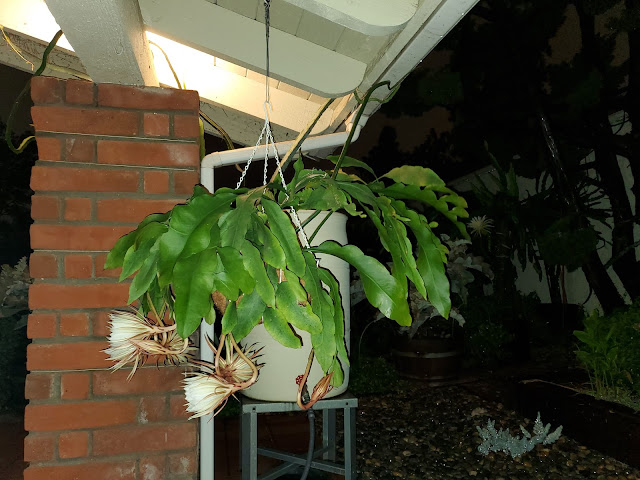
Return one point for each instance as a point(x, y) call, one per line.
point(504, 82)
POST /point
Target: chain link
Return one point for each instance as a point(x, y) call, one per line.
point(246, 168)
point(269, 140)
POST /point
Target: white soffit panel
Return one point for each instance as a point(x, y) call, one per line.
point(216, 30)
point(224, 87)
point(33, 18)
point(371, 17)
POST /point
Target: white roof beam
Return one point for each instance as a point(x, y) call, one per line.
point(370, 17)
point(109, 38)
point(240, 40)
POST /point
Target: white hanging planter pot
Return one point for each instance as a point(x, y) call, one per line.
point(277, 379)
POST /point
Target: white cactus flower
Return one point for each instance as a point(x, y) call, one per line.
point(480, 226)
point(135, 339)
point(207, 391)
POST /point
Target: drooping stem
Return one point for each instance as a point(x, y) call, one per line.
point(153, 308)
point(309, 219)
point(168, 328)
point(252, 366)
point(365, 100)
point(225, 136)
point(303, 382)
point(218, 352)
point(324, 220)
point(299, 139)
point(23, 93)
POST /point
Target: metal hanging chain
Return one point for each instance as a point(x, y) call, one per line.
point(268, 135)
point(267, 24)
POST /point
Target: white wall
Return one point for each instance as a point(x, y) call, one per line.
point(576, 283)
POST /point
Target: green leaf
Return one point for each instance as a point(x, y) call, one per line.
point(224, 282)
point(351, 162)
point(418, 176)
point(250, 310)
point(291, 303)
point(185, 220)
point(205, 235)
point(328, 198)
point(192, 286)
point(399, 245)
point(272, 253)
point(512, 183)
point(210, 317)
point(255, 266)
point(281, 226)
point(308, 177)
point(234, 264)
point(424, 195)
point(199, 191)
point(324, 343)
point(338, 373)
point(139, 251)
point(430, 263)
point(362, 193)
point(230, 318)
point(456, 201)
point(313, 286)
point(234, 228)
point(116, 256)
point(338, 315)
point(298, 167)
point(147, 273)
point(279, 329)
point(382, 290)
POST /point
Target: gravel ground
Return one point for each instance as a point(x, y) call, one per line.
point(430, 433)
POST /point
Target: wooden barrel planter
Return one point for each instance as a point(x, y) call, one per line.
point(433, 360)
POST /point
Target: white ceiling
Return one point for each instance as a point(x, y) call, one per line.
point(318, 49)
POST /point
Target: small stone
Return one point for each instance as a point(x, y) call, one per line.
point(473, 473)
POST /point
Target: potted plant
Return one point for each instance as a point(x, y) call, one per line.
point(431, 347)
point(238, 251)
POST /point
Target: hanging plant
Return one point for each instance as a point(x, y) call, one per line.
point(239, 249)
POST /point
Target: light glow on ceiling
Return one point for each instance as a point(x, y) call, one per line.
point(31, 17)
point(195, 70)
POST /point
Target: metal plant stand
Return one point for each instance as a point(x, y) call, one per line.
point(251, 450)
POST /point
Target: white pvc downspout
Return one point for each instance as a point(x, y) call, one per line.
point(234, 157)
point(242, 155)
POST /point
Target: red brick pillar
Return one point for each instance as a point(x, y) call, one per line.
point(108, 156)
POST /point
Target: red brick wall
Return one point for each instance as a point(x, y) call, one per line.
point(108, 156)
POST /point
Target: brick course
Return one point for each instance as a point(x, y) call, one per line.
point(84, 421)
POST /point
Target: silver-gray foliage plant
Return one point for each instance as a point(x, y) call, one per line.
point(502, 441)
